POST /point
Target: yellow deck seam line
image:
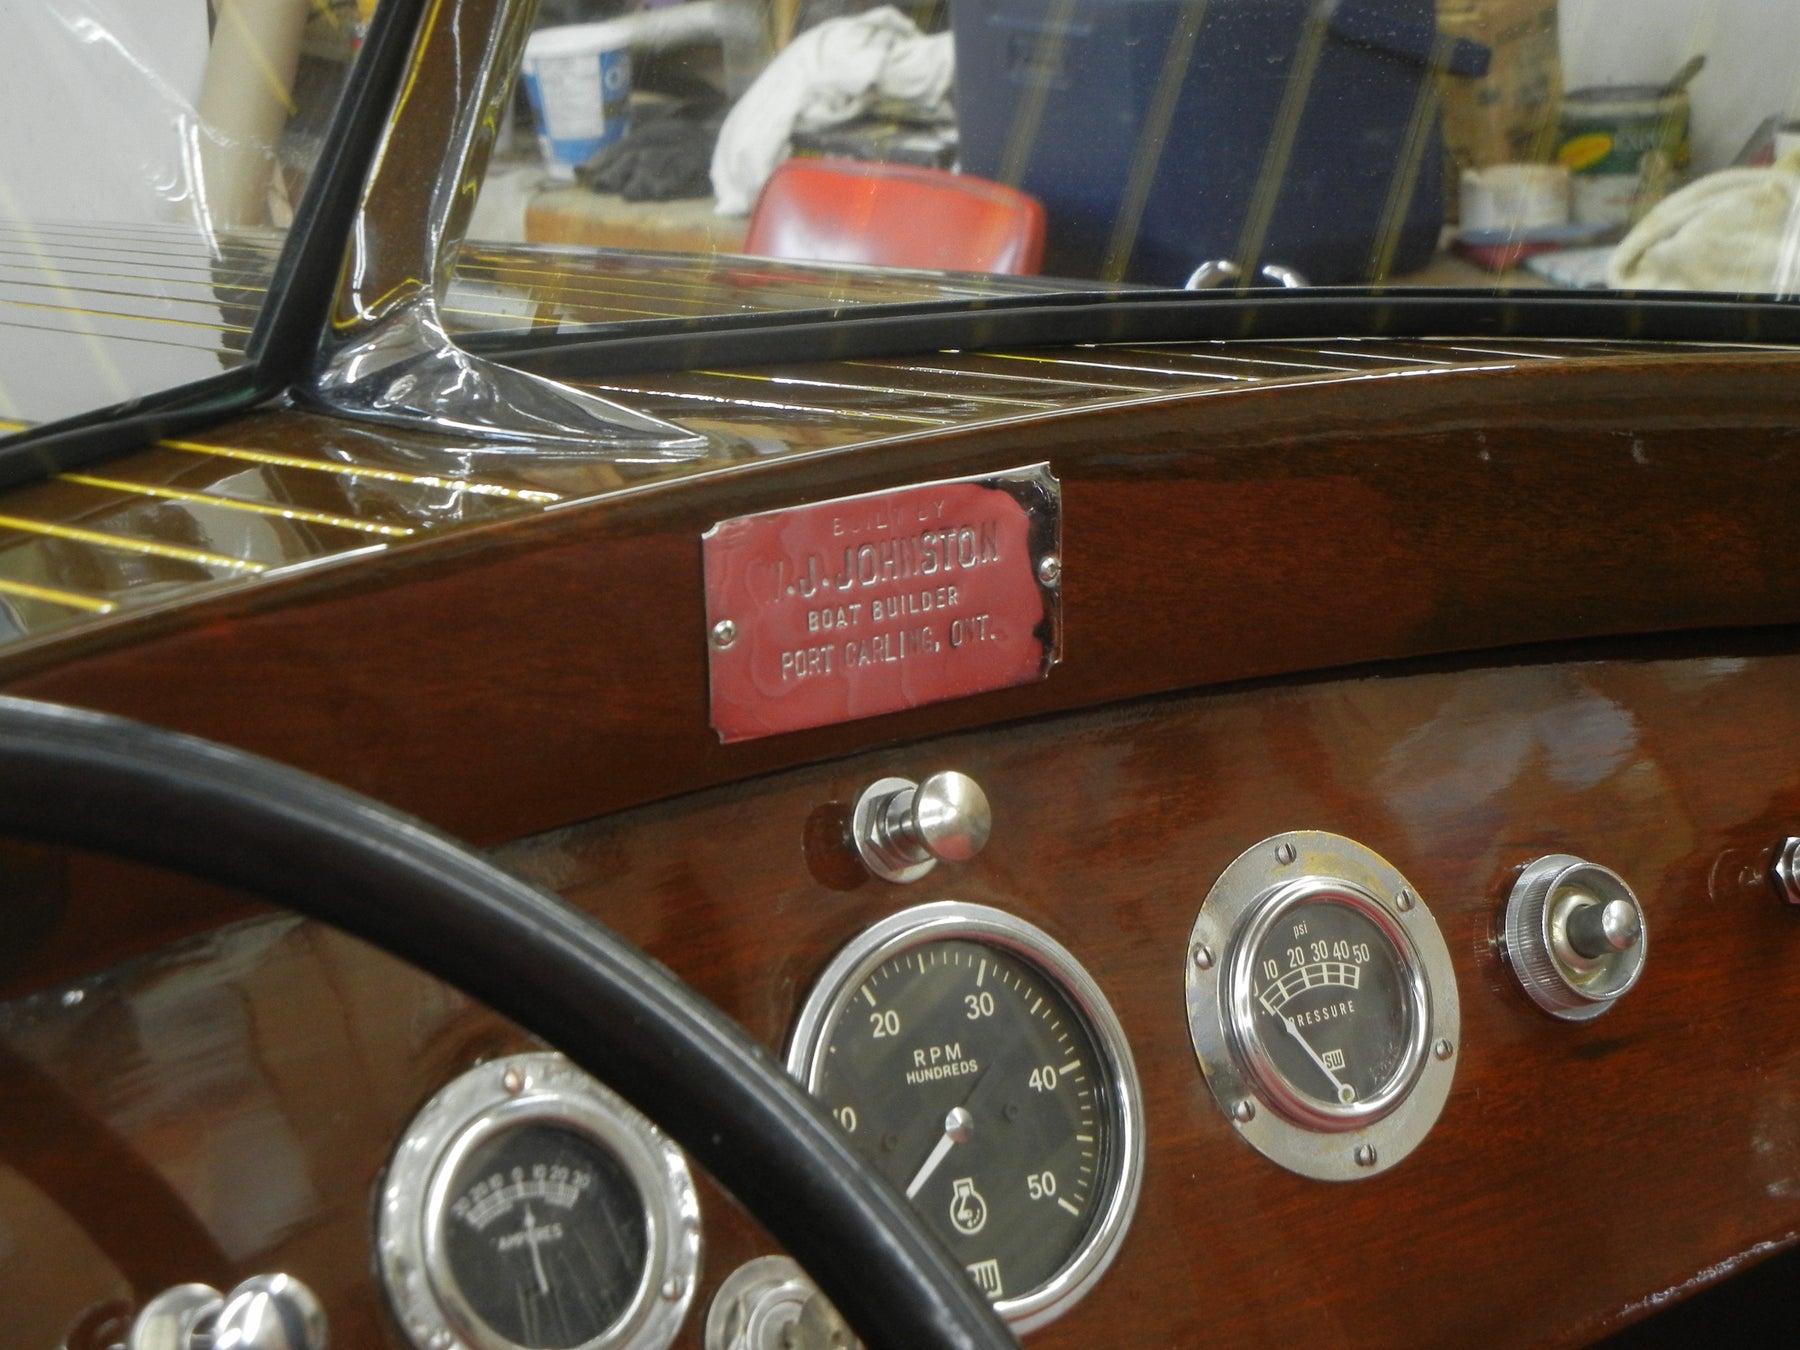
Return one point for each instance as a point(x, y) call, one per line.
point(533, 495)
point(103, 540)
point(68, 599)
point(238, 504)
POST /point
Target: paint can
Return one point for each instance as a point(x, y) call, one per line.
point(1626, 147)
point(1514, 199)
point(578, 77)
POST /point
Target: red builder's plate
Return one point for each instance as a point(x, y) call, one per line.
point(866, 605)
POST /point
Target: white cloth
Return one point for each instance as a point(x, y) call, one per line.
point(1736, 230)
point(826, 76)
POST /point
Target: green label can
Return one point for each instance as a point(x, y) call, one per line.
point(1625, 146)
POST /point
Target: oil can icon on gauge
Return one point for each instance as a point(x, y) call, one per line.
point(968, 1211)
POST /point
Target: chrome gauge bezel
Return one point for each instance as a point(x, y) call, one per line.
point(923, 925)
point(505, 1094)
point(1302, 1133)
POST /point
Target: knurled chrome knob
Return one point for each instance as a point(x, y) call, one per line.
point(903, 829)
point(1574, 936)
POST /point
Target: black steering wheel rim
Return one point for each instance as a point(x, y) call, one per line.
point(91, 781)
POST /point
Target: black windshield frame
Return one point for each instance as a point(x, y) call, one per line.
point(647, 345)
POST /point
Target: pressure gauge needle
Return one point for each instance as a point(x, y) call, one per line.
point(1345, 1093)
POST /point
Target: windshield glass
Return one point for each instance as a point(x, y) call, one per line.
point(151, 156)
point(1485, 144)
point(680, 163)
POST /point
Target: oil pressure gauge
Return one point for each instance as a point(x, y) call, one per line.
point(972, 1060)
point(1322, 1005)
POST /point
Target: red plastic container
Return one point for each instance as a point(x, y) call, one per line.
point(895, 215)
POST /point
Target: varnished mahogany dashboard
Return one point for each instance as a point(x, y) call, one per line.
point(1467, 620)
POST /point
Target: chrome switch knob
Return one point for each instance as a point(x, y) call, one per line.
point(270, 1312)
point(1574, 936)
point(765, 1304)
point(1784, 871)
point(1596, 930)
point(265, 1312)
point(904, 829)
point(175, 1319)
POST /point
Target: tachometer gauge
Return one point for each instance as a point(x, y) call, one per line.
point(975, 1064)
point(528, 1208)
point(1322, 1005)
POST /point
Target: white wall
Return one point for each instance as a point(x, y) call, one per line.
point(1752, 52)
point(96, 101)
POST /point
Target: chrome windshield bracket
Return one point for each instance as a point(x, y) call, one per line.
point(407, 372)
point(386, 355)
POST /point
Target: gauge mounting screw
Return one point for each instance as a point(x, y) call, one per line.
point(1049, 569)
point(1203, 956)
point(1244, 1112)
point(1365, 1155)
point(1285, 852)
point(724, 633)
point(903, 829)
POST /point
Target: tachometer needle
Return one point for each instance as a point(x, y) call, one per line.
point(958, 1125)
point(1345, 1093)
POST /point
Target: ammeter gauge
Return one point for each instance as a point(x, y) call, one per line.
point(528, 1208)
point(1322, 1005)
point(970, 1058)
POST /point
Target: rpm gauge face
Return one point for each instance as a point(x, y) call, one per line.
point(969, 1058)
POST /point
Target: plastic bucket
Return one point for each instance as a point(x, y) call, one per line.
point(1514, 199)
point(578, 78)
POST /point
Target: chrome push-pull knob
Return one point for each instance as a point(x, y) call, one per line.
point(1574, 936)
point(265, 1312)
point(1595, 931)
point(903, 829)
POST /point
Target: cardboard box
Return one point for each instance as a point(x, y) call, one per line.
point(1511, 115)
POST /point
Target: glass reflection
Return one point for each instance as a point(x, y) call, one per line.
point(152, 156)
